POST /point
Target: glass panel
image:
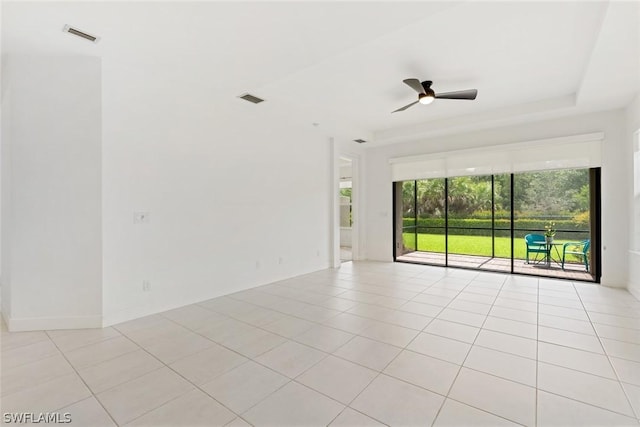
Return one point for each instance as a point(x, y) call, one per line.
point(408, 216)
point(431, 223)
point(553, 205)
point(502, 218)
point(470, 213)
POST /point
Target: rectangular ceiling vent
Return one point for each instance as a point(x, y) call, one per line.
point(251, 98)
point(76, 32)
point(359, 141)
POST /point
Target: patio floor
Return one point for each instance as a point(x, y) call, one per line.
point(572, 271)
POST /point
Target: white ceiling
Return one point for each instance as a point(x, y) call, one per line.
point(341, 64)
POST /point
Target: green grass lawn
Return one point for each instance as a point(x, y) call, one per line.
point(471, 245)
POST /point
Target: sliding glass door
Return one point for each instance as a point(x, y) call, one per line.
point(480, 222)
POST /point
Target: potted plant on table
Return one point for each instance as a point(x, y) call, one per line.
point(550, 231)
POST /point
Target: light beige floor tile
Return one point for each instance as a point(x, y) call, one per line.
point(169, 348)
point(155, 328)
point(507, 343)
point(511, 327)
point(580, 360)
point(132, 399)
point(472, 307)
point(204, 366)
point(511, 314)
point(597, 391)
point(291, 358)
point(370, 311)
point(424, 371)
point(633, 394)
point(47, 397)
point(452, 330)
point(516, 303)
point(351, 418)
point(116, 371)
point(244, 386)
point(615, 333)
point(34, 373)
point(456, 414)
point(97, 353)
point(570, 313)
point(194, 408)
point(390, 334)
point(254, 342)
point(337, 303)
point(324, 338)
point(504, 365)
point(227, 330)
point(613, 320)
point(478, 296)
point(395, 402)
point(440, 301)
point(294, 405)
point(423, 309)
point(88, 412)
point(67, 340)
point(10, 340)
point(440, 347)
point(22, 355)
point(628, 371)
point(194, 317)
point(369, 353)
point(407, 320)
point(238, 422)
point(622, 350)
point(260, 316)
point(570, 339)
point(464, 317)
point(579, 326)
point(337, 378)
point(349, 323)
point(227, 306)
point(507, 399)
point(554, 410)
point(289, 326)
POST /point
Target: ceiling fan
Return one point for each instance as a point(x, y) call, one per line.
point(426, 95)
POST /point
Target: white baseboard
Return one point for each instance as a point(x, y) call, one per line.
point(19, 324)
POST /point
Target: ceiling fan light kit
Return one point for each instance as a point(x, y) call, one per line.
point(426, 95)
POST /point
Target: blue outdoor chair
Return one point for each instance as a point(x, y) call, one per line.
point(579, 249)
point(536, 244)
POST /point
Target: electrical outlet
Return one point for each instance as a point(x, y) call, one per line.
point(280, 260)
point(257, 265)
point(146, 285)
point(141, 217)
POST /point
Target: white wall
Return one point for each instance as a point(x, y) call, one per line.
point(632, 124)
point(237, 194)
point(51, 198)
point(615, 180)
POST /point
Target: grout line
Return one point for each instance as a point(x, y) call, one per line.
point(613, 368)
point(83, 381)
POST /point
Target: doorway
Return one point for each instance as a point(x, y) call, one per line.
point(485, 222)
point(346, 210)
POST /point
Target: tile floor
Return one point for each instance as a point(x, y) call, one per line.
point(368, 344)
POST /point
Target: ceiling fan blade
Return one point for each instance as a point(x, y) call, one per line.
point(414, 84)
point(461, 94)
point(405, 107)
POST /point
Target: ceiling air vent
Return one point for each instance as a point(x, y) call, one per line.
point(76, 32)
point(359, 141)
point(251, 98)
